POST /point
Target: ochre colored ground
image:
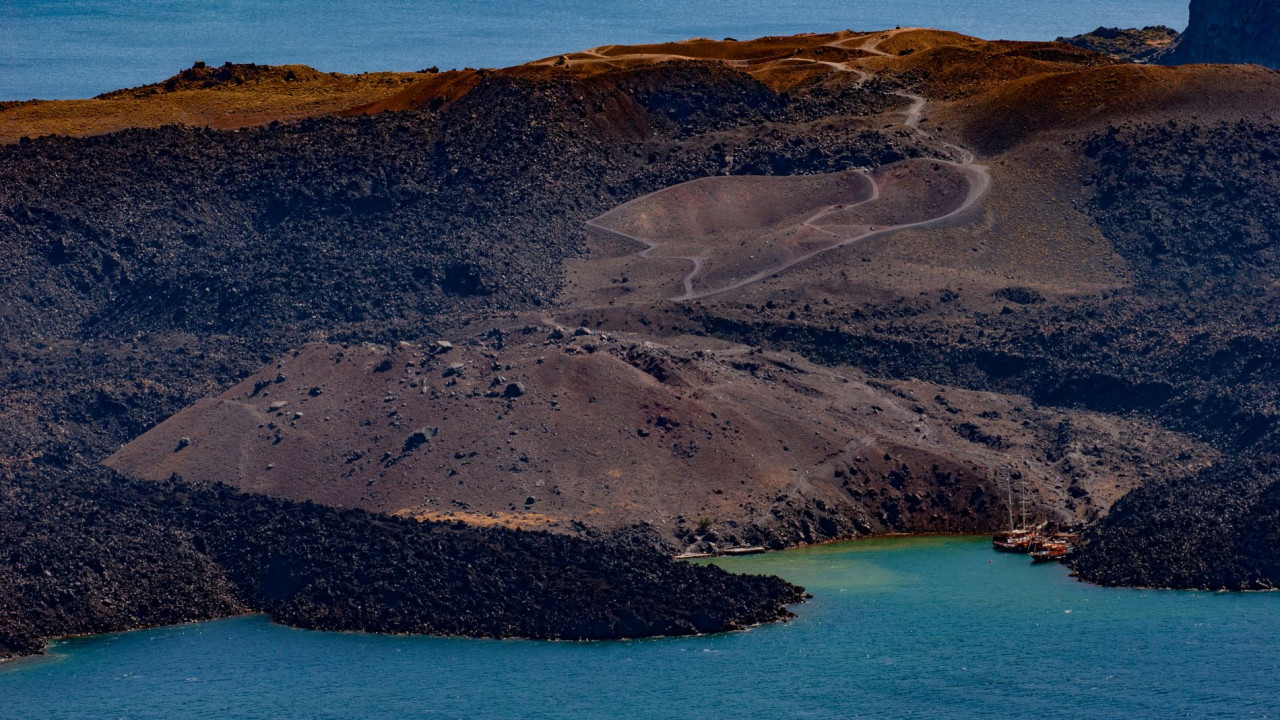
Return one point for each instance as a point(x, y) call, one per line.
point(246, 95)
point(288, 92)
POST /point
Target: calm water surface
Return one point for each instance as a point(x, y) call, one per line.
point(79, 48)
point(927, 628)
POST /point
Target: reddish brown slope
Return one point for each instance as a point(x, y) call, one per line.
point(1086, 100)
point(613, 430)
point(234, 96)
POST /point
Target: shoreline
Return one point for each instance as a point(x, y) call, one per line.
point(75, 636)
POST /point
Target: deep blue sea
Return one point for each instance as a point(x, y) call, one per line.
point(932, 628)
point(79, 48)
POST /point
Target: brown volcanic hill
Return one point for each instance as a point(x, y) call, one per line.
point(229, 75)
point(960, 70)
point(241, 95)
point(1087, 100)
point(433, 92)
point(538, 429)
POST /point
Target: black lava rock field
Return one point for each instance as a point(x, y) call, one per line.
point(94, 554)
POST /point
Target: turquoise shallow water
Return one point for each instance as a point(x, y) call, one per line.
point(911, 628)
point(79, 48)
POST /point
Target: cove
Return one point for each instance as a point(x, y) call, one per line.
point(929, 627)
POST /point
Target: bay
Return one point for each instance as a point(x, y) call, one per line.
point(933, 627)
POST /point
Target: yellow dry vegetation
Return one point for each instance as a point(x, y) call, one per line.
point(286, 92)
point(514, 521)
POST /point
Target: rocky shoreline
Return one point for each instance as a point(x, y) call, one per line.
point(1218, 530)
point(103, 553)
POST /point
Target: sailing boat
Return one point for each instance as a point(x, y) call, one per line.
point(1020, 539)
point(1050, 550)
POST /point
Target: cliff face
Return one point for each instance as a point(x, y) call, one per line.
point(1231, 31)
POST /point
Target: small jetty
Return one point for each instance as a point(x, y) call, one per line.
point(751, 550)
point(693, 556)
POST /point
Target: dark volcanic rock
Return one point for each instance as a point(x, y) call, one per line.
point(1231, 31)
point(1219, 530)
point(92, 551)
point(351, 226)
point(1149, 44)
point(1191, 201)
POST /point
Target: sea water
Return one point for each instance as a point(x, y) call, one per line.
point(79, 48)
point(936, 627)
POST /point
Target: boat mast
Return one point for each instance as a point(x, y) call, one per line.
point(1023, 502)
point(1008, 488)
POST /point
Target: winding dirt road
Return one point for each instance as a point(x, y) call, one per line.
point(977, 176)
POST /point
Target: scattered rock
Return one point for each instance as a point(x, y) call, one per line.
point(1019, 295)
point(418, 438)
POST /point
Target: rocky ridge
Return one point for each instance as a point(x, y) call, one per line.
point(1148, 44)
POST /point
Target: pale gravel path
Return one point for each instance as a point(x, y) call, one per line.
point(978, 176)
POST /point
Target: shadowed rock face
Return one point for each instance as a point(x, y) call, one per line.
point(1231, 31)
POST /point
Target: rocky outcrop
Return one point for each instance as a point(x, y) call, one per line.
point(1231, 31)
point(92, 551)
point(1217, 530)
point(1130, 45)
